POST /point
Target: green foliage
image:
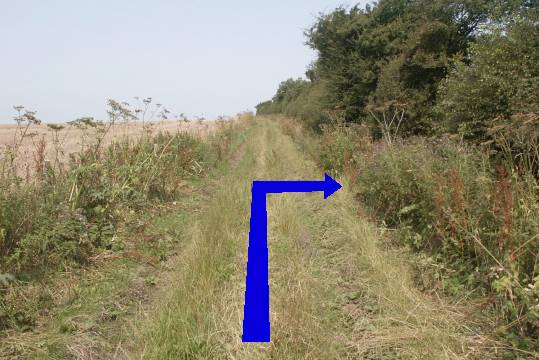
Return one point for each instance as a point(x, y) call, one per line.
point(394, 55)
point(55, 240)
point(287, 93)
point(340, 147)
point(299, 98)
point(502, 81)
point(265, 107)
point(395, 52)
point(478, 223)
point(65, 215)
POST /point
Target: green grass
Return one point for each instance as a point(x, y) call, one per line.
point(184, 323)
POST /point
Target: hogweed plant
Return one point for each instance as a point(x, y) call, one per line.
point(24, 120)
point(58, 143)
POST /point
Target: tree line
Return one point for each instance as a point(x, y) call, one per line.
point(464, 67)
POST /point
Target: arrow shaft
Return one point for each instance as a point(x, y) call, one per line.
point(282, 186)
point(256, 324)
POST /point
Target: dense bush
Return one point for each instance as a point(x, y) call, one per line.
point(478, 222)
point(393, 52)
point(501, 82)
point(299, 98)
point(59, 210)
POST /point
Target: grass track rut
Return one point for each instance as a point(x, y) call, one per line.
point(333, 292)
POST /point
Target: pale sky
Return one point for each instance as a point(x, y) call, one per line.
point(64, 58)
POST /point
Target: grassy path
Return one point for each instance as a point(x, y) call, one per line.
point(334, 292)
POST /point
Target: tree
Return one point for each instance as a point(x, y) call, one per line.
point(501, 80)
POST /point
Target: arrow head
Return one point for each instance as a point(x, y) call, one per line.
point(330, 186)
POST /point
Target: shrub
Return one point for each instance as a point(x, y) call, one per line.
point(477, 220)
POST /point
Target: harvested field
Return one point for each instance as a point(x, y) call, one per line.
point(58, 145)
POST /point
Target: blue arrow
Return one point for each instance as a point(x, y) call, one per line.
point(256, 324)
